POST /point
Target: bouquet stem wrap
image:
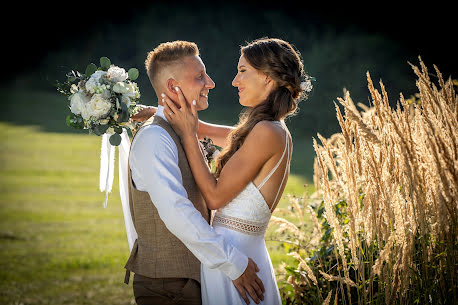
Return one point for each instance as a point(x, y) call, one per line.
point(107, 156)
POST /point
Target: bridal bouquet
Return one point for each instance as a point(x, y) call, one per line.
point(102, 99)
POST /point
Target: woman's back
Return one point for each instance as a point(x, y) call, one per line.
point(273, 176)
point(243, 223)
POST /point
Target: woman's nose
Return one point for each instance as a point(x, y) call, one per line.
point(235, 81)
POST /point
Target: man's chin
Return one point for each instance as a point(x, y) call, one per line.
point(202, 105)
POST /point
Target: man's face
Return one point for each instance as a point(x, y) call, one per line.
point(195, 82)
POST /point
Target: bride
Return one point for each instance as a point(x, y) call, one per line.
point(253, 168)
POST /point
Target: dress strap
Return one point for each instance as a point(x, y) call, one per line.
point(276, 166)
point(284, 174)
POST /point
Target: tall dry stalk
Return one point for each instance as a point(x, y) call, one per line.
point(397, 171)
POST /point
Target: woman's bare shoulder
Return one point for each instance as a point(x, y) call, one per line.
point(268, 134)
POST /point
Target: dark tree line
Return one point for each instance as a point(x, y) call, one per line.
point(338, 47)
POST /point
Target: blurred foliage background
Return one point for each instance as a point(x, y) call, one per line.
point(338, 43)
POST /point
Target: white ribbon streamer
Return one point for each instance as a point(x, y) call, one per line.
point(107, 156)
point(124, 149)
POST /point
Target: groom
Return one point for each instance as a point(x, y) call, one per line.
point(168, 211)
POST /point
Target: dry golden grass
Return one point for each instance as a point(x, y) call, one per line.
point(397, 171)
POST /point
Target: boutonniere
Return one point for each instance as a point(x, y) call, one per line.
point(211, 150)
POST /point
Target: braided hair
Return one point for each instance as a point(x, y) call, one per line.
point(282, 63)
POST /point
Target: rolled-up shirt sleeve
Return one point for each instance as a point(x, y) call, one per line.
point(154, 168)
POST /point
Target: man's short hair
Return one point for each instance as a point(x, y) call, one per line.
point(168, 53)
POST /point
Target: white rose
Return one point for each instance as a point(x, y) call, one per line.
point(98, 106)
point(85, 113)
point(120, 87)
point(116, 74)
point(98, 74)
point(132, 90)
point(93, 84)
point(78, 102)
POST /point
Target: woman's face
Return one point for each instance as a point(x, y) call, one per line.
point(254, 86)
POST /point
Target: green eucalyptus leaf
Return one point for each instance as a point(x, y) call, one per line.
point(104, 128)
point(120, 117)
point(118, 129)
point(105, 63)
point(101, 129)
point(126, 118)
point(90, 69)
point(133, 73)
point(97, 131)
point(115, 139)
point(124, 107)
point(123, 117)
point(79, 122)
point(67, 120)
point(125, 113)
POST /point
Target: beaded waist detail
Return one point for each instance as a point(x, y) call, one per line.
point(240, 225)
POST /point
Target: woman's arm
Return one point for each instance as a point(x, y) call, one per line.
point(218, 133)
point(144, 114)
point(240, 170)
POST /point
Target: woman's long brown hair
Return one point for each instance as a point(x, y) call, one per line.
point(282, 63)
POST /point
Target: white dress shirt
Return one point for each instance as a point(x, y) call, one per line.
point(154, 169)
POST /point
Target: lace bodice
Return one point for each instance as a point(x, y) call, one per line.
point(248, 212)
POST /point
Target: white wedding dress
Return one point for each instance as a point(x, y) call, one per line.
point(243, 222)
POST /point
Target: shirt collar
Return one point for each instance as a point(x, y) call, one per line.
point(160, 112)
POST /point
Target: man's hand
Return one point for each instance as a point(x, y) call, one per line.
point(144, 114)
point(251, 283)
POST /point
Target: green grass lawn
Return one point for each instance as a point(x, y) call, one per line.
point(58, 244)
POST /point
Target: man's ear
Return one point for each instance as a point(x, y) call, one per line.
point(171, 84)
point(267, 80)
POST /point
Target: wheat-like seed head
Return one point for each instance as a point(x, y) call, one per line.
point(397, 170)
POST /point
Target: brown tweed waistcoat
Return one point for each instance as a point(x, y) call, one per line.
point(157, 253)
